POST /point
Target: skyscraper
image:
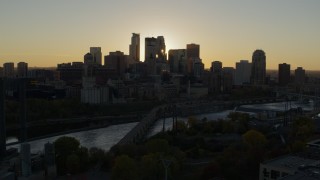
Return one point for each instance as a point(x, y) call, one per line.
point(97, 55)
point(284, 74)
point(22, 69)
point(193, 51)
point(117, 61)
point(155, 55)
point(88, 58)
point(8, 69)
point(1, 71)
point(177, 58)
point(243, 72)
point(216, 66)
point(193, 55)
point(299, 76)
point(155, 48)
point(150, 49)
point(258, 72)
point(134, 48)
point(2, 120)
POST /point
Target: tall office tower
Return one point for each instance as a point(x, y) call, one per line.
point(22, 69)
point(2, 120)
point(284, 74)
point(176, 58)
point(88, 58)
point(299, 76)
point(117, 61)
point(243, 72)
point(216, 66)
point(193, 51)
point(227, 78)
point(161, 49)
point(155, 55)
point(1, 71)
point(193, 54)
point(97, 55)
point(134, 48)
point(258, 72)
point(150, 49)
point(8, 69)
point(155, 48)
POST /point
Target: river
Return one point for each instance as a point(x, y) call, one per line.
point(105, 138)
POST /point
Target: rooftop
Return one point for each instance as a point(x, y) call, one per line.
point(291, 162)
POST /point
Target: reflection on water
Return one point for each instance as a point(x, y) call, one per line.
point(103, 138)
point(281, 106)
point(168, 122)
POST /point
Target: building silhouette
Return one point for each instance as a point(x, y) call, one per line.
point(258, 72)
point(134, 48)
point(117, 61)
point(177, 60)
point(193, 50)
point(242, 72)
point(216, 66)
point(8, 69)
point(299, 76)
point(284, 74)
point(96, 55)
point(22, 69)
point(88, 58)
point(2, 120)
point(155, 55)
point(1, 71)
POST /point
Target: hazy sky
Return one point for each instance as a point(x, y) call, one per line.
point(47, 32)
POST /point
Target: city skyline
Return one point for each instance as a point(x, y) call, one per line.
point(44, 34)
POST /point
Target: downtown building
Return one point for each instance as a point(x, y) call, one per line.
point(155, 55)
point(8, 69)
point(22, 70)
point(284, 74)
point(178, 61)
point(134, 48)
point(299, 76)
point(96, 55)
point(242, 72)
point(117, 61)
point(194, 62)
point(258, 70)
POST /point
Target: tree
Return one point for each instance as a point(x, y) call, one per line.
point(124, 168)
point(64, 147)
point(151, 167)
point(303, 128)
point(254, 138)
point(158, 145)
point(73, 164)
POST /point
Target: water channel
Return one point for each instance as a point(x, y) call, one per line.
point(105, 138)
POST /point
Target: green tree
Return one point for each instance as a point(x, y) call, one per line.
point(64, 147)
point(124, 168)
point(303, 128)
point(158, 145)
point(151, 167)
point(298, 146)
point(254, 138)
point(73, 163)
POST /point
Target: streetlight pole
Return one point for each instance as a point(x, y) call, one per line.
point(166, 163)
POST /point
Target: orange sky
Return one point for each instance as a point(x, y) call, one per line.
point(44, 33)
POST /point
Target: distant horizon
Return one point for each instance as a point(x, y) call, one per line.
point(46, 33)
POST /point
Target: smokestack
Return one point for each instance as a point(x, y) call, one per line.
point(2, 119)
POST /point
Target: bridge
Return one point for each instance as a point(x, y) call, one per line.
point(139, 132)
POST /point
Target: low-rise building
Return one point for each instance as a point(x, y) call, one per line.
point(285, 166)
